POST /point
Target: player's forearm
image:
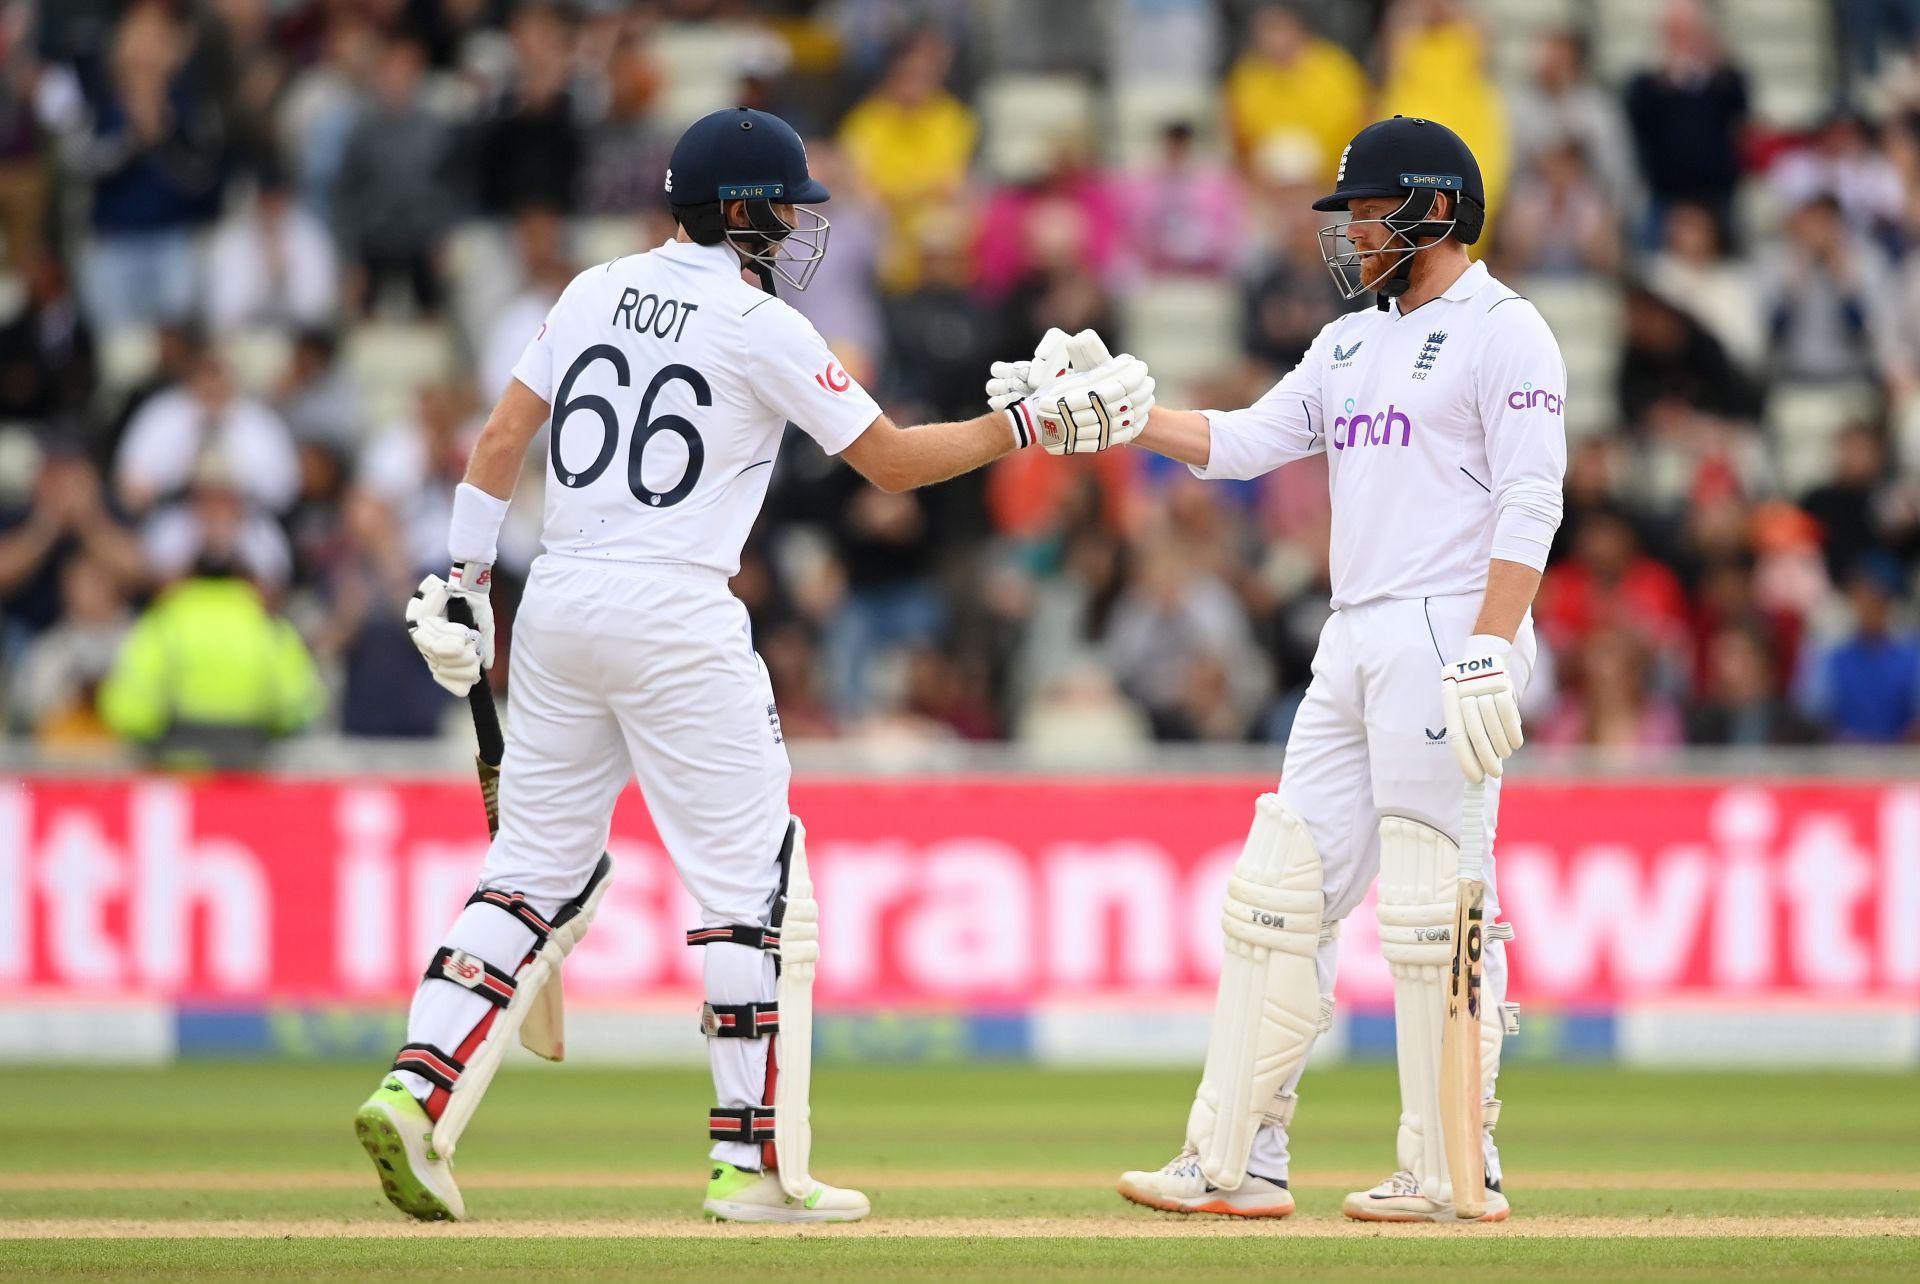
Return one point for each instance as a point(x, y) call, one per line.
point(1509, 596)
point(495, 463)
point(1184, 435)
point(897, 459)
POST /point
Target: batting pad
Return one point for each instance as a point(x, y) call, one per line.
point(1419, 869)
point(1268, 1008)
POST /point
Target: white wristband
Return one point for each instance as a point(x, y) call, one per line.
point(1025, 431)
point(474, 533)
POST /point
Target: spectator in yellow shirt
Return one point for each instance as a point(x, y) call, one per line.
point(1436, 67)
point(1294, 82)
point(910, 142)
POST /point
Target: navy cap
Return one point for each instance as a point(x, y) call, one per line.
point(740, 154)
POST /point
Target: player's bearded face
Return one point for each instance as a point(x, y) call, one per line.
point(1379, 247)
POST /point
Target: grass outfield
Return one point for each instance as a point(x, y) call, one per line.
point(979, 1173)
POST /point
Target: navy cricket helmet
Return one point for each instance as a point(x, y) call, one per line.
point(1415, 160)
point(740, 154)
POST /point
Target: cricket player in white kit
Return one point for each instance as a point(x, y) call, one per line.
point(1441, 416)
point(669, 379)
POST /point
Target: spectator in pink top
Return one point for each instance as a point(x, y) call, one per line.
point(1183, 214)
point(1003, 252)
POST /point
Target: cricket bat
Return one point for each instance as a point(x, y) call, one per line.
point(1460, 1080)
point(543, 1033)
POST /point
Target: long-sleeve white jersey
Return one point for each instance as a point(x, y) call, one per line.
point(1445, 436)
point(671, 381)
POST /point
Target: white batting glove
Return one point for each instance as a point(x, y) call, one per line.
point(1482, 702)
point(1011, 381)
point(455, 653)
point(1084, 412)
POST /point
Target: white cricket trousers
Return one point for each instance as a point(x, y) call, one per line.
point(622, 670)
point(1370, 740)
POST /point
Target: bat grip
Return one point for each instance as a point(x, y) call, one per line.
point(486, 717)
point(1473, 833)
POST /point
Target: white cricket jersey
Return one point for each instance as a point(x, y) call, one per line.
point(671, 380)
point(1445, 436)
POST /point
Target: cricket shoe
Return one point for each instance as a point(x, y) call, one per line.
point(397, 1133)
point(744, 1195)
point(1181, 1187)
point(1398, 1199)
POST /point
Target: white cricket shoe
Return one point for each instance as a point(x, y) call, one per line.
point(397, 1134)
point(1181, 1187)
point(742, 1195)
point(1398, 1199)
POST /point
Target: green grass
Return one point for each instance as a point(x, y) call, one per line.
point(1017, 1143)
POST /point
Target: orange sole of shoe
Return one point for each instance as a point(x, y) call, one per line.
point(1218, 1206)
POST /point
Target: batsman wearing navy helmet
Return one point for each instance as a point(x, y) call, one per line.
point(1440, 414)
point(668, 378)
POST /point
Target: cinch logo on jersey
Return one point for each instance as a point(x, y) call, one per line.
point(1378, 427)
point(1529, 396)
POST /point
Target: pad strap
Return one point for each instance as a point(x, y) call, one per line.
point(516, 904)
point(748, 1123)
point(752, 935)
point(431, 1064)
point(475, 973)
point(739, 1020)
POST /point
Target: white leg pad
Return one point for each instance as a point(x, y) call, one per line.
point(1418, 871)
point(1268, 1008)
point(538, 974)
point(793, 1045)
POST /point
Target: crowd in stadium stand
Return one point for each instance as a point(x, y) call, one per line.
point(267, 263)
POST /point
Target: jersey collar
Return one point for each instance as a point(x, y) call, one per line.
point(718, 258)
point(1475, 279)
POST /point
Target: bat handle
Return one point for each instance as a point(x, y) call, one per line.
point(1473, 833)
point(486, 717)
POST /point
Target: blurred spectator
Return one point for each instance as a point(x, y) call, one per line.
point(392, 201)
point(1610, 584)
point(1865, 688)
point(843, 300)
point(951, 691)
point(385, 690)
point(246, 71)
point(1865, 507)
point(1059, 286)
point(316, 395)
point(1436, 66)
point(1017, 220)
point(23, 174)
point(1558, 222)
point(546, 269)
point(167, 437)
point(942, 338)
point(1080, 718)
point(271, 265)
point(1863, 24)
point(530, 149)
point(153, 153)
point(1841, 161)
point(1068, 618)
point(413, 468)
point(1288, 294)
point(793, 667)
point(1670, 358)
point(216, 520)
point(209, 674)
point(1173, 40)
point(886, 548)
point(1292, 82)
point(1741, 704)
point(1613, 706)
point(66, 516)
point(1564, 105)
point(60, 673)
point(910, 142)
point(322, 105)
point(1692, 273)
point(623, 155)
point(1180, 645)
point(47, 363)
point(1827, 318)
point(1184, 212)
point(1687, 115)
